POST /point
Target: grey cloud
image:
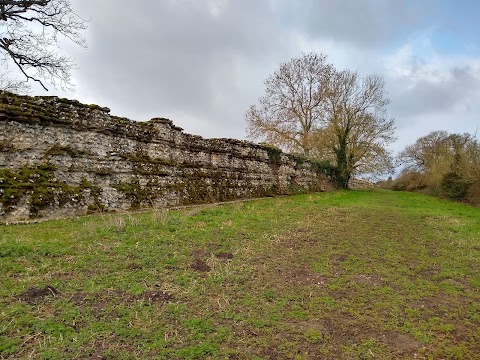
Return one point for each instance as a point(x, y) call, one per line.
point(174, 57)
point(366, 23)
point(428, 96)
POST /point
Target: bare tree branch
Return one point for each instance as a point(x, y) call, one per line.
point(13, 85)
point(29, 33)
point(291, 108)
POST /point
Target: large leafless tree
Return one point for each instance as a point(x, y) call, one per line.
point(29, 39)
point(292, 107)
point(357, 130)
point(327, 114)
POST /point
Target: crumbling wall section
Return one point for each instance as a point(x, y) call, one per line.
point(59, 157)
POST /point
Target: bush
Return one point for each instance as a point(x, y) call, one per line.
point(473, 193)
point(324, 167)
point(454, 186)
point(446, 165)
point(274, 153)
point(409, 181)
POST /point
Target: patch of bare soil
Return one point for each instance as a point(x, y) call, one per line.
point(340, 327)
point(33, 295)
point(115, 296)
point(100, 301)
point(306, 277)
point(199, 265)
point(404, 344)
point(298, 277)
point(319, 325)
point(154, 297)
point(298, 240)
point(224, 255)
point(370, 279)
point(338, 258)
point(343, 329)
point(428, 273)
point(198, 254)
point(134, 266)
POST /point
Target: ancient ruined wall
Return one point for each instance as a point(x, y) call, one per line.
point(60, 157)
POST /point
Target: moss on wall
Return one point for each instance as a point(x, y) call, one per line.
point(274, 153)
point(65, 150)
point(42, 188)
point(324, 167)
point(140, 196)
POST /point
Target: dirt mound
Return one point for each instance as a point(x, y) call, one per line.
point(199, 265)
point(33, 295)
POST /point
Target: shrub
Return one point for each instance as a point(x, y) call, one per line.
point(325, 167)
point(274, 153)
point(454, 186)
point(409, 181)
point(473, 193)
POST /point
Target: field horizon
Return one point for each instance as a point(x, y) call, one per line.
point(370, 274)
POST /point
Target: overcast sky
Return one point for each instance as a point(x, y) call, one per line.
point(201, 63)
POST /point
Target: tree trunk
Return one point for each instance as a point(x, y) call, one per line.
point(342, 173)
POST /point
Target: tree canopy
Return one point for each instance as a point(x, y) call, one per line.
point(439, 152)
point(30, 31)
point(442, 164)
point(326, 114)
point(292, 107)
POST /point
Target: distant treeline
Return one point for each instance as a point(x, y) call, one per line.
point(441, 164)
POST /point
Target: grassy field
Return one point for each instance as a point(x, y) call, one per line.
point(340, 275)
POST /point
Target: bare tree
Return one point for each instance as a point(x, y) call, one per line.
point(13, 84)
point(425, 152)
point(447, 164)
point(292, 107)
point(357, 129)
point(30, 31)
point(439, 152)
point(327, 114)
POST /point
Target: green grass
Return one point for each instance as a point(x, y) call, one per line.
point(340, 275)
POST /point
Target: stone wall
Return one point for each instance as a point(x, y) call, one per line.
point(59, 157)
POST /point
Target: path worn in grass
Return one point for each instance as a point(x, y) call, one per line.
point(344, 275)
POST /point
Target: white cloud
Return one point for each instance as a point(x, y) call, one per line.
point(216, 7)
point(432, 91)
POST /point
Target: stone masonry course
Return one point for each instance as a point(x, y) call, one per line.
point(59, 157)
